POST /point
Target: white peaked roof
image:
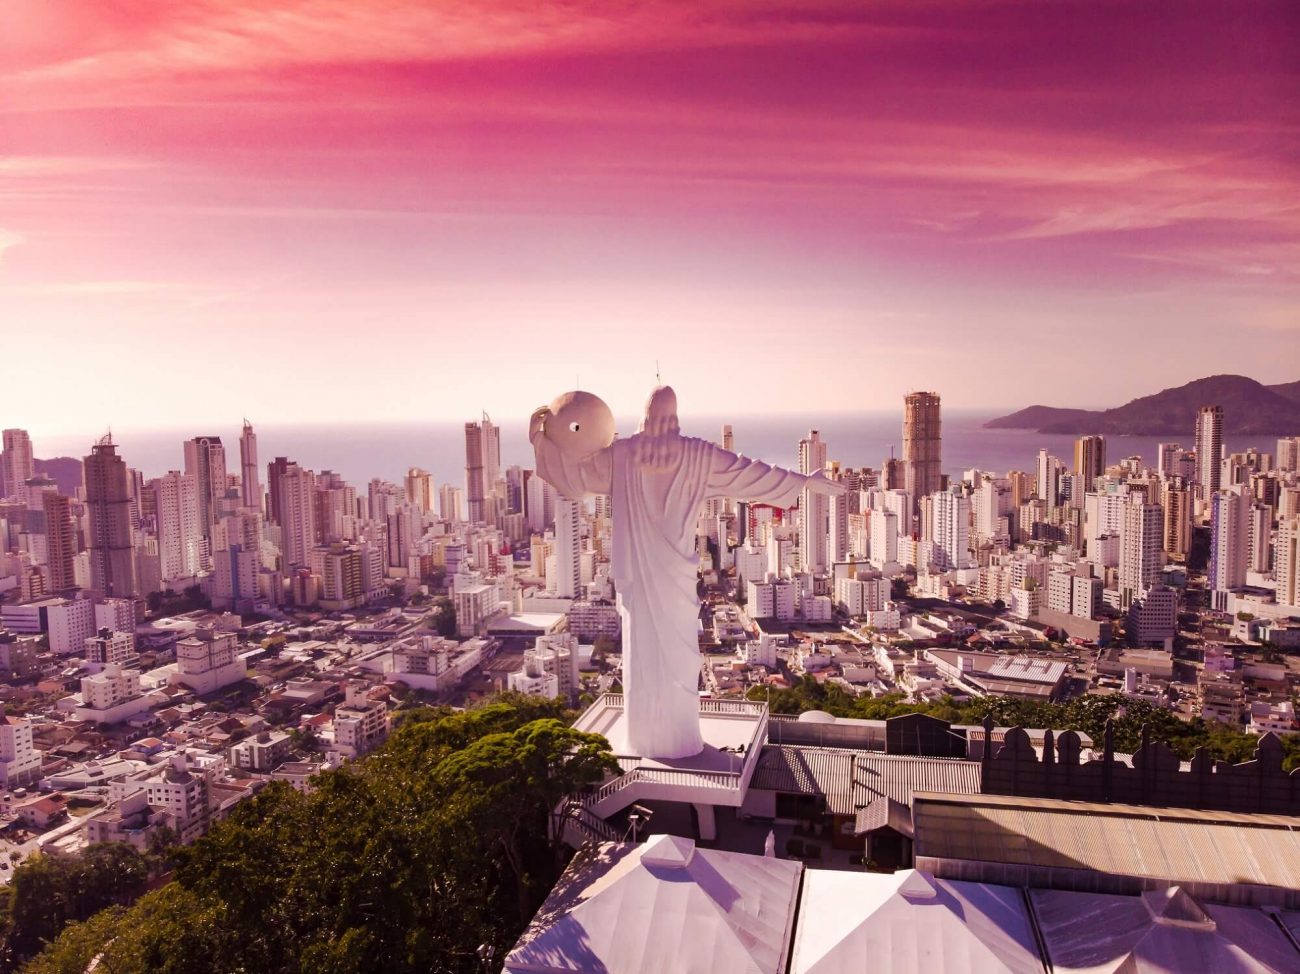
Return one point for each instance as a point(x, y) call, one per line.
point(909, 921)
point(1164, 930)
point(664, 907)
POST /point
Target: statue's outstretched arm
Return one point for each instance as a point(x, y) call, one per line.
point(760, 483)
point(573, 478)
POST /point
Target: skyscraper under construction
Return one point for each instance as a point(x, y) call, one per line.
point(922, 463)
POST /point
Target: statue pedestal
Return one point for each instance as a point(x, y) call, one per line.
point(734, 733)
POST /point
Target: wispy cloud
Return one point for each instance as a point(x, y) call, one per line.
point(8, 240)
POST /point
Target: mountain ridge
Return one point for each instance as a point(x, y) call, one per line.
point(1249, 407)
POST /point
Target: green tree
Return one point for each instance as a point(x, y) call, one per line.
point(445, 617)
point(407, 860)
point(48, 891)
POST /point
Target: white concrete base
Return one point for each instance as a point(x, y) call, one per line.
point(708, 822)
point(734, 733)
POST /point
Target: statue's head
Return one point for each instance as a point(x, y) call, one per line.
point(580, 424)
point(661, 413)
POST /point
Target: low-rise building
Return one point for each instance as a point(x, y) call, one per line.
point(360, 723)
point(20, 762)
point(590, 621)
point(264, 752)
point(1277, 718)
point(180, 793)
point(989, 674)
point(1222, 696)
point(208, 660)
point(111, 696)
point(298, 775)
point(430, 662)
point(109, 646)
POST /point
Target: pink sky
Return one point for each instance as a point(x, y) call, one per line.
point(328, 210)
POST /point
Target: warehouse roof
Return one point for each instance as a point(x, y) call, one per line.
point(1175, 845)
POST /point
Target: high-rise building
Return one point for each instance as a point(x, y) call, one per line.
point(1047, 484)
point(419, 489)
point(1229, 538)
point(1140, 548)
point(449, 502)
point(182, 549)
point(568, 549)
point(274, 471)
point(249, 485)
point(482, 466)
point(1209, 450)
point(1286, 563)
point(108, 504)
point(728, 444)
point(1288, 454)
point(1259, 537)
point(515, 489)
point(17, 464)
point(814, 506)
point(950, 529)
point(1176, 499)
point(1090, 459)
point(60, 541)
point(922, 460)
point(296, 488)
point(336, 507)
point(205, 461)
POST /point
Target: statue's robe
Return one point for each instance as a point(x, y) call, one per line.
point(657, 485)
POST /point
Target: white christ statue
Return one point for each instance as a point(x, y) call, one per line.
point(658, 480)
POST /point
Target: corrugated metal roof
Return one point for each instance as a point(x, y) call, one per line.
point(899, 776)
point(827, 772)
point(1177, 845)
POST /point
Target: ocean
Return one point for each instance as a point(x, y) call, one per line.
point(360, 452)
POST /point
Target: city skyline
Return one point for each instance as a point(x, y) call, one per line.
point(874, 200)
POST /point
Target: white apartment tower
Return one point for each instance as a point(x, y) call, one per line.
point(1141, 536)
point(813, 553)
point(568, 549)
point(950, 528)
point(20, 762)
point(182, 549)
point(1229, 531)
point(1286, 564)
point(1288, 454)
point(539, 502)
point(297, 489)
point(1209, 450)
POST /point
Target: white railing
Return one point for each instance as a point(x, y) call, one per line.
point(725, 708)
point(723, 780)
point(590, 826)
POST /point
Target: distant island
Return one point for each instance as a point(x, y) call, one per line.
point(1249, 407)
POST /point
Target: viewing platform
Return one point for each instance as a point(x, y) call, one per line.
point(734, 732)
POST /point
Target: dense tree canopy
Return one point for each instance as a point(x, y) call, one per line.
point(405, 861)
point(49, 891)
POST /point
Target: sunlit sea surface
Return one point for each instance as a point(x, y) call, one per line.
point(360, 452)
